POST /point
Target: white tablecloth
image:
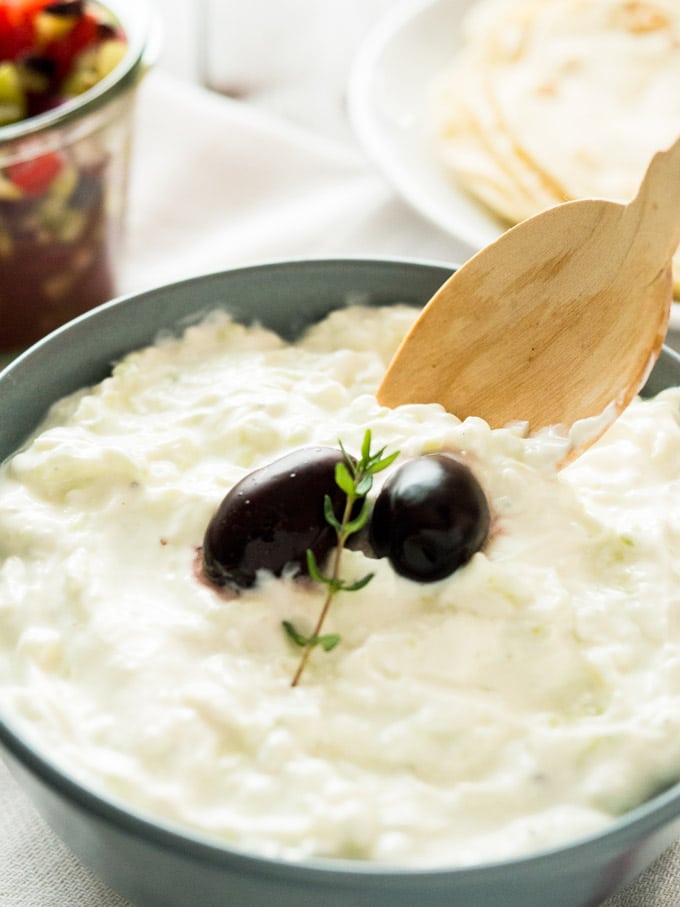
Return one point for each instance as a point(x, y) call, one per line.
point(219, 183)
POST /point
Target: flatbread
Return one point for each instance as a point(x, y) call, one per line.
point(562, 99)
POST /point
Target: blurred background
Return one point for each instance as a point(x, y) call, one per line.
point(291, 57)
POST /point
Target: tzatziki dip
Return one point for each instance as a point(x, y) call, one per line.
point(527, 698)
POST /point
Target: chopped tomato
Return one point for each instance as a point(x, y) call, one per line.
point(15, 38)
point(21, 12)
point(34, 176)
point(17, 31)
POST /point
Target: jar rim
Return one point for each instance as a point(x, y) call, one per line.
point(142, 33)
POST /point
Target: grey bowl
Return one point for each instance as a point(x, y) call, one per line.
point(156, 865)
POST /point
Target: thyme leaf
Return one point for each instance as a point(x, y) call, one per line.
point(327, 642)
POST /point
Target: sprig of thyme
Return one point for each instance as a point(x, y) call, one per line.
point(355, 480)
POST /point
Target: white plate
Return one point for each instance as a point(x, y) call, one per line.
point(386, 97)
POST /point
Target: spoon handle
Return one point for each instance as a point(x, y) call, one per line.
point(655, 210)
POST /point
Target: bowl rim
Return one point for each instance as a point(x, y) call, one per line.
point(654, 813)
point(659, 810)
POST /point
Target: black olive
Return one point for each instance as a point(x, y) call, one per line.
point(65, 8)
point(272, 516)
point(43, 66)
point(430, 517)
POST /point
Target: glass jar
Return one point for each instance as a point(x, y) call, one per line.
point(63, 176)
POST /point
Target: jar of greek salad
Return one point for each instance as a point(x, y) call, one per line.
point(68, 73)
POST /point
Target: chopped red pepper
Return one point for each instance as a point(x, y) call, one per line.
point(34, 176)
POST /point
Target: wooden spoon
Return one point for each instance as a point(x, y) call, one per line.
point(560, 319)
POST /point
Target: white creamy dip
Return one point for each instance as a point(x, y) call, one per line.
point(525, 700)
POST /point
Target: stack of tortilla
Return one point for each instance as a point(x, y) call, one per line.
point(552, 100)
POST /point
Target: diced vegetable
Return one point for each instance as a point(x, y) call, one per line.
point(12, 98)
point(35, 175)
point(51, 51)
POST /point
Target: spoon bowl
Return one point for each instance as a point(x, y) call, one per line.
point(559, 320)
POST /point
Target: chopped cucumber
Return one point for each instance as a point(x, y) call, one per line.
point(109, 55)
point(12, 97)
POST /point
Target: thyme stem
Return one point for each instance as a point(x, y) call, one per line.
point(331, 590)
point(355, 479)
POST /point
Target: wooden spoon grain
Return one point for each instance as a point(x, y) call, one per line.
point(560, 319)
